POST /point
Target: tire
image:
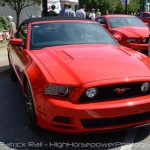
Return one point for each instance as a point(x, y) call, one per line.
point(13, 76)
point(31, 115)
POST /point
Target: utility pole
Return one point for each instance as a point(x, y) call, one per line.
point(44, 6)
point(143, 5)
point(126, 6)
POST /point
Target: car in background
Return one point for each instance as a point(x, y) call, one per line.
point(77, 78)
point(145, 17)
point(133, 32)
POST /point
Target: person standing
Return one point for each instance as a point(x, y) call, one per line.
point(52, 12)
point(69, 12)
point(107, 13)
point(98, 13)
point(81, 12)
point(22, 32)
point(12, 25)
point(92, 14)
point(88, 14)
point(62, 11)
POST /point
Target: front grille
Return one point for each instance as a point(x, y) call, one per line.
point(145, 52)
point(109, 122)
point(111, 92)
point(145, 40)
point(62, 119)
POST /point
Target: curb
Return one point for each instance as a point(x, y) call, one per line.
point(4, 69)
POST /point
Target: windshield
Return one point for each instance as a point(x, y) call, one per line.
point(125, 21)
point(66, 33)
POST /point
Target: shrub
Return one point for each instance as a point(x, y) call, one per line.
point(4, 24)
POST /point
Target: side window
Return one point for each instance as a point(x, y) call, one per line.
point(145, 15)
point(22, 32)
point(141, 15)
point(101, 20)
point(138, 15)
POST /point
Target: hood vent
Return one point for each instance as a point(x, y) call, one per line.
point(64, 55)
point(124, 51)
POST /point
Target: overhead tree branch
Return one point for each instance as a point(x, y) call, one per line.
point(28, 5)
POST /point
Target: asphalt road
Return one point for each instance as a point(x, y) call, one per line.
point(15, 133)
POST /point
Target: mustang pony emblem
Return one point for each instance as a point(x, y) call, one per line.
point(121, 90)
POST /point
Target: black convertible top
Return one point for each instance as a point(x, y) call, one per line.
point(39, 19)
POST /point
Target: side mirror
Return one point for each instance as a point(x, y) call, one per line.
point(104, 25)
point(117, 37)
point(16, 41)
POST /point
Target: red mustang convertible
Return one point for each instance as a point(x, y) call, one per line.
point(77, 78)
point(145, 17)
point(133, 32)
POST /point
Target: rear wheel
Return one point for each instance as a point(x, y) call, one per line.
point(31, 116)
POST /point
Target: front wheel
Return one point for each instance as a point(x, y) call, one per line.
point(31, 115)
point(13, 76)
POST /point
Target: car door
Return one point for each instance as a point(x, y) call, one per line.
point(18, 57)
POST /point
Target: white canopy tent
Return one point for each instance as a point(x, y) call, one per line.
point(35, 10)
point(58, 4)
point(54, 2)
point(72, 1)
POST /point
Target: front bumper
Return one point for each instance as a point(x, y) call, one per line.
point(63, 116)
point(139, 47)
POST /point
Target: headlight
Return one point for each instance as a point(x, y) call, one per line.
point(144, 40)
point(58, 90)
point(62, 90)
point(145, 87)
point(131, 40)
point(91, 92)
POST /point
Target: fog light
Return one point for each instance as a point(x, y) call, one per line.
point(145, 87)
point(62, 119)
point(144, 40)
point(91, 92)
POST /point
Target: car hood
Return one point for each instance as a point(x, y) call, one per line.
point(140, 32)
point(80, 64)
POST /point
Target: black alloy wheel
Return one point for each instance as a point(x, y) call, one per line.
point(12, 73)
point(31, 115)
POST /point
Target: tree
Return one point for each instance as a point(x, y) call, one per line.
point(3, 23)
point(19, 5)
point(103, 5)
point(113, 6)
point(133, 6)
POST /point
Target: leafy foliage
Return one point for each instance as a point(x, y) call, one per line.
point(134, 6)
point(113, 6)
point(4, 25)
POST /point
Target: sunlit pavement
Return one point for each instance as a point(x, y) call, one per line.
point(3, 58)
